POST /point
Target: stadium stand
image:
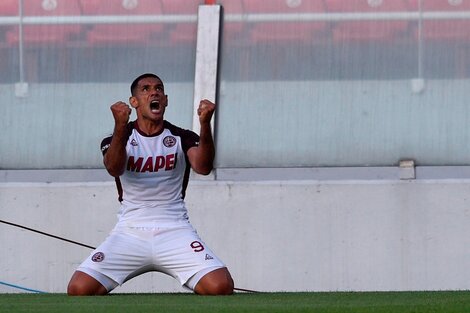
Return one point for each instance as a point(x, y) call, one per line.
point(123, 33)
point(47, 34)
point(182, 32)
point(232, 31)
point(445, 29)
point(366, 30)
point(449, 35)
point(282, 31)
point(7, 8)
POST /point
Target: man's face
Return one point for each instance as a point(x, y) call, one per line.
point(149, 99)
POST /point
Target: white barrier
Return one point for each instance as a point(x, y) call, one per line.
point(274, 235)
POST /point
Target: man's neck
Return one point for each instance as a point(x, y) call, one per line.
point(149, 127)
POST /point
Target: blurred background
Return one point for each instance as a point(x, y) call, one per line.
point(303, 83)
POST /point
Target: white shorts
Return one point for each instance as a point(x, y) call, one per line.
point(131, 251)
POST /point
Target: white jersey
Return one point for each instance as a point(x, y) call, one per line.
point(153, 232)
point(154, 182)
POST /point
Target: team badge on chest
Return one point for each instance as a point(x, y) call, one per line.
point(169, 141)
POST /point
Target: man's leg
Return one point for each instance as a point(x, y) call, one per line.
point(93, 276)
point(82, 284)
point(217, 282)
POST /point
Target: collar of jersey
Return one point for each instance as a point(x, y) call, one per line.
point(136, 126)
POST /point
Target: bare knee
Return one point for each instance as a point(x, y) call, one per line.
point(218, 282)
point(75, 289)
point(82, 284)
point(222, 288)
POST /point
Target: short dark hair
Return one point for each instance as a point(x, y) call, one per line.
point(138, 79)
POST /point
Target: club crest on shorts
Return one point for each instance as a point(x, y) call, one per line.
point(169, 141)
point(98, 257)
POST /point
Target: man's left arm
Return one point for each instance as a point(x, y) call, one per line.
point(202, 156)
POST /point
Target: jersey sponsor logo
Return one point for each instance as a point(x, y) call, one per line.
point(134, 143)
point(209, 257)
point(152, 164)
point(98, 257)
point(169, 141)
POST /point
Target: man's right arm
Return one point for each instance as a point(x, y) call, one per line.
point(115, 156)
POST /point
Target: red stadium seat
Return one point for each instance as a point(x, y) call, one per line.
point(45, 34)
point(273, 31)
point(182, 32)
point(187, 32)
point(123, 33)
point(444, 29)
point(7, 8)
point(365, 30)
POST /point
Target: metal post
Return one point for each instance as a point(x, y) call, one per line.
point(420, 40)
point(21, 88)
point(418, 84)
point(20, 42)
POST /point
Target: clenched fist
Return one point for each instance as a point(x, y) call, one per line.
point(121, 112)
point(205, 111)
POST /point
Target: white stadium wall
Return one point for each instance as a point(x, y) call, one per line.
point(299, 235)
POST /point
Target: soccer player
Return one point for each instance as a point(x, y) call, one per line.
point(150, 160)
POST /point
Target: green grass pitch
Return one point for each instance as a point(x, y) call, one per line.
point(337, 302)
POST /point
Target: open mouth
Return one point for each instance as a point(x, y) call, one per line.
point(154, 105)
